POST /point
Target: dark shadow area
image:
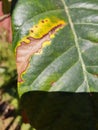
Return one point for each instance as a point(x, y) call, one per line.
point(61, 110)
point(11, 85)
point(13, 4)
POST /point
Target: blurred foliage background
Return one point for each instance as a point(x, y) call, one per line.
point(10, 114)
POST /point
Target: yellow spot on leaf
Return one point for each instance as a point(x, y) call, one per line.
point(45, 26)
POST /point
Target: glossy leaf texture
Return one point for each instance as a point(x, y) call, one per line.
point(56, 45)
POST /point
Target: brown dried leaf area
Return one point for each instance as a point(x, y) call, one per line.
point(25, 50)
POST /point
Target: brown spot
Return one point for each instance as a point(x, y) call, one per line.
point(30, 38)
point(32, 31)
point(42, 21)
point(36, 26)
point(25, 51)
point(46, 20)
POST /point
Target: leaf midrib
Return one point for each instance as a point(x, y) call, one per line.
point(76, 43)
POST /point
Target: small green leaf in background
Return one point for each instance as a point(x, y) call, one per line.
point(69, 63)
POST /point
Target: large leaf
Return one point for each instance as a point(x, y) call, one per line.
point(55, 43)
point(67, 61)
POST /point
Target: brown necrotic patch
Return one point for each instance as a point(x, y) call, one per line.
point(25, 50)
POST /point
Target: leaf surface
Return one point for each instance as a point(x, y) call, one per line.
point(56, 47)
point(67, 61)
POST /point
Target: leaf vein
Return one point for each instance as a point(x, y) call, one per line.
point(54, 60)
point(93, 24)
point(76, 43)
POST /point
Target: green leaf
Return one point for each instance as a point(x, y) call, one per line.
point(56, 47)
point(69, 62)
